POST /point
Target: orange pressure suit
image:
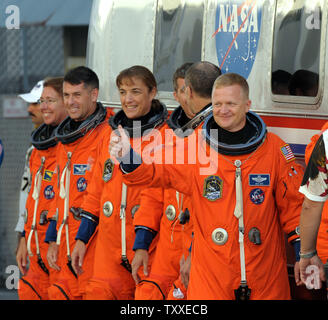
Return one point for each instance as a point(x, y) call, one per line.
point(240, 209)
point(115, 206)
point(76, 156)
point(42, 164)
point(163, 210)
point(173, 242)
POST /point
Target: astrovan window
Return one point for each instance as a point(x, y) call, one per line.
point(178, 38)
point(296, 51)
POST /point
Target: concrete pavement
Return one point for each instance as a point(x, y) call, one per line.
point(8, 294)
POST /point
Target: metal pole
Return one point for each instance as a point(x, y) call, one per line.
point(24, 59)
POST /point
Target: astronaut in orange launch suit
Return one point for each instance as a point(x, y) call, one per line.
point(35, 282)
point(243, 199)
point(109, 201)
point(78, 136)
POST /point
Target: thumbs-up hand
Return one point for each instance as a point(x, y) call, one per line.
point(119, 144)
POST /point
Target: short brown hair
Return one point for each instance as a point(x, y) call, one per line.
point(180, 73)
point(230, 79)
point(55, 83)
point(201, 76)
point(139, 72)
point(83, 75)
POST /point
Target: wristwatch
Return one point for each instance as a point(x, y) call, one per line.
point(308, 255)
point(294, 232)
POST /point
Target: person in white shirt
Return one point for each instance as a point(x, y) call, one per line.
point(34, 112)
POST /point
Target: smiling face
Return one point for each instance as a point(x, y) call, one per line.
point(230, 105)
point(136, 98)
point(52, 107)
point(34, 112)
point(80, 100)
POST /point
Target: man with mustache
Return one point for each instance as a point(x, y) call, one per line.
point(33, 108)
point(34, 112)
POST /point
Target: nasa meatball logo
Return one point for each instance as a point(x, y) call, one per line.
point(257, 196)
point(81, 184)
point(49, 192)
point(237, 33)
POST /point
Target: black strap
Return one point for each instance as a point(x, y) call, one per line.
point(156, 284)
point(126, 264)
point(42, 265)
point(33, 289)
point(62, 291)
point(70, 267)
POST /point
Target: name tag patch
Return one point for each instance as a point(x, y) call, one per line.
point(80, 169)
point(259, 180)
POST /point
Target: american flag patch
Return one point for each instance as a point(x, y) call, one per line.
point(287, 152)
